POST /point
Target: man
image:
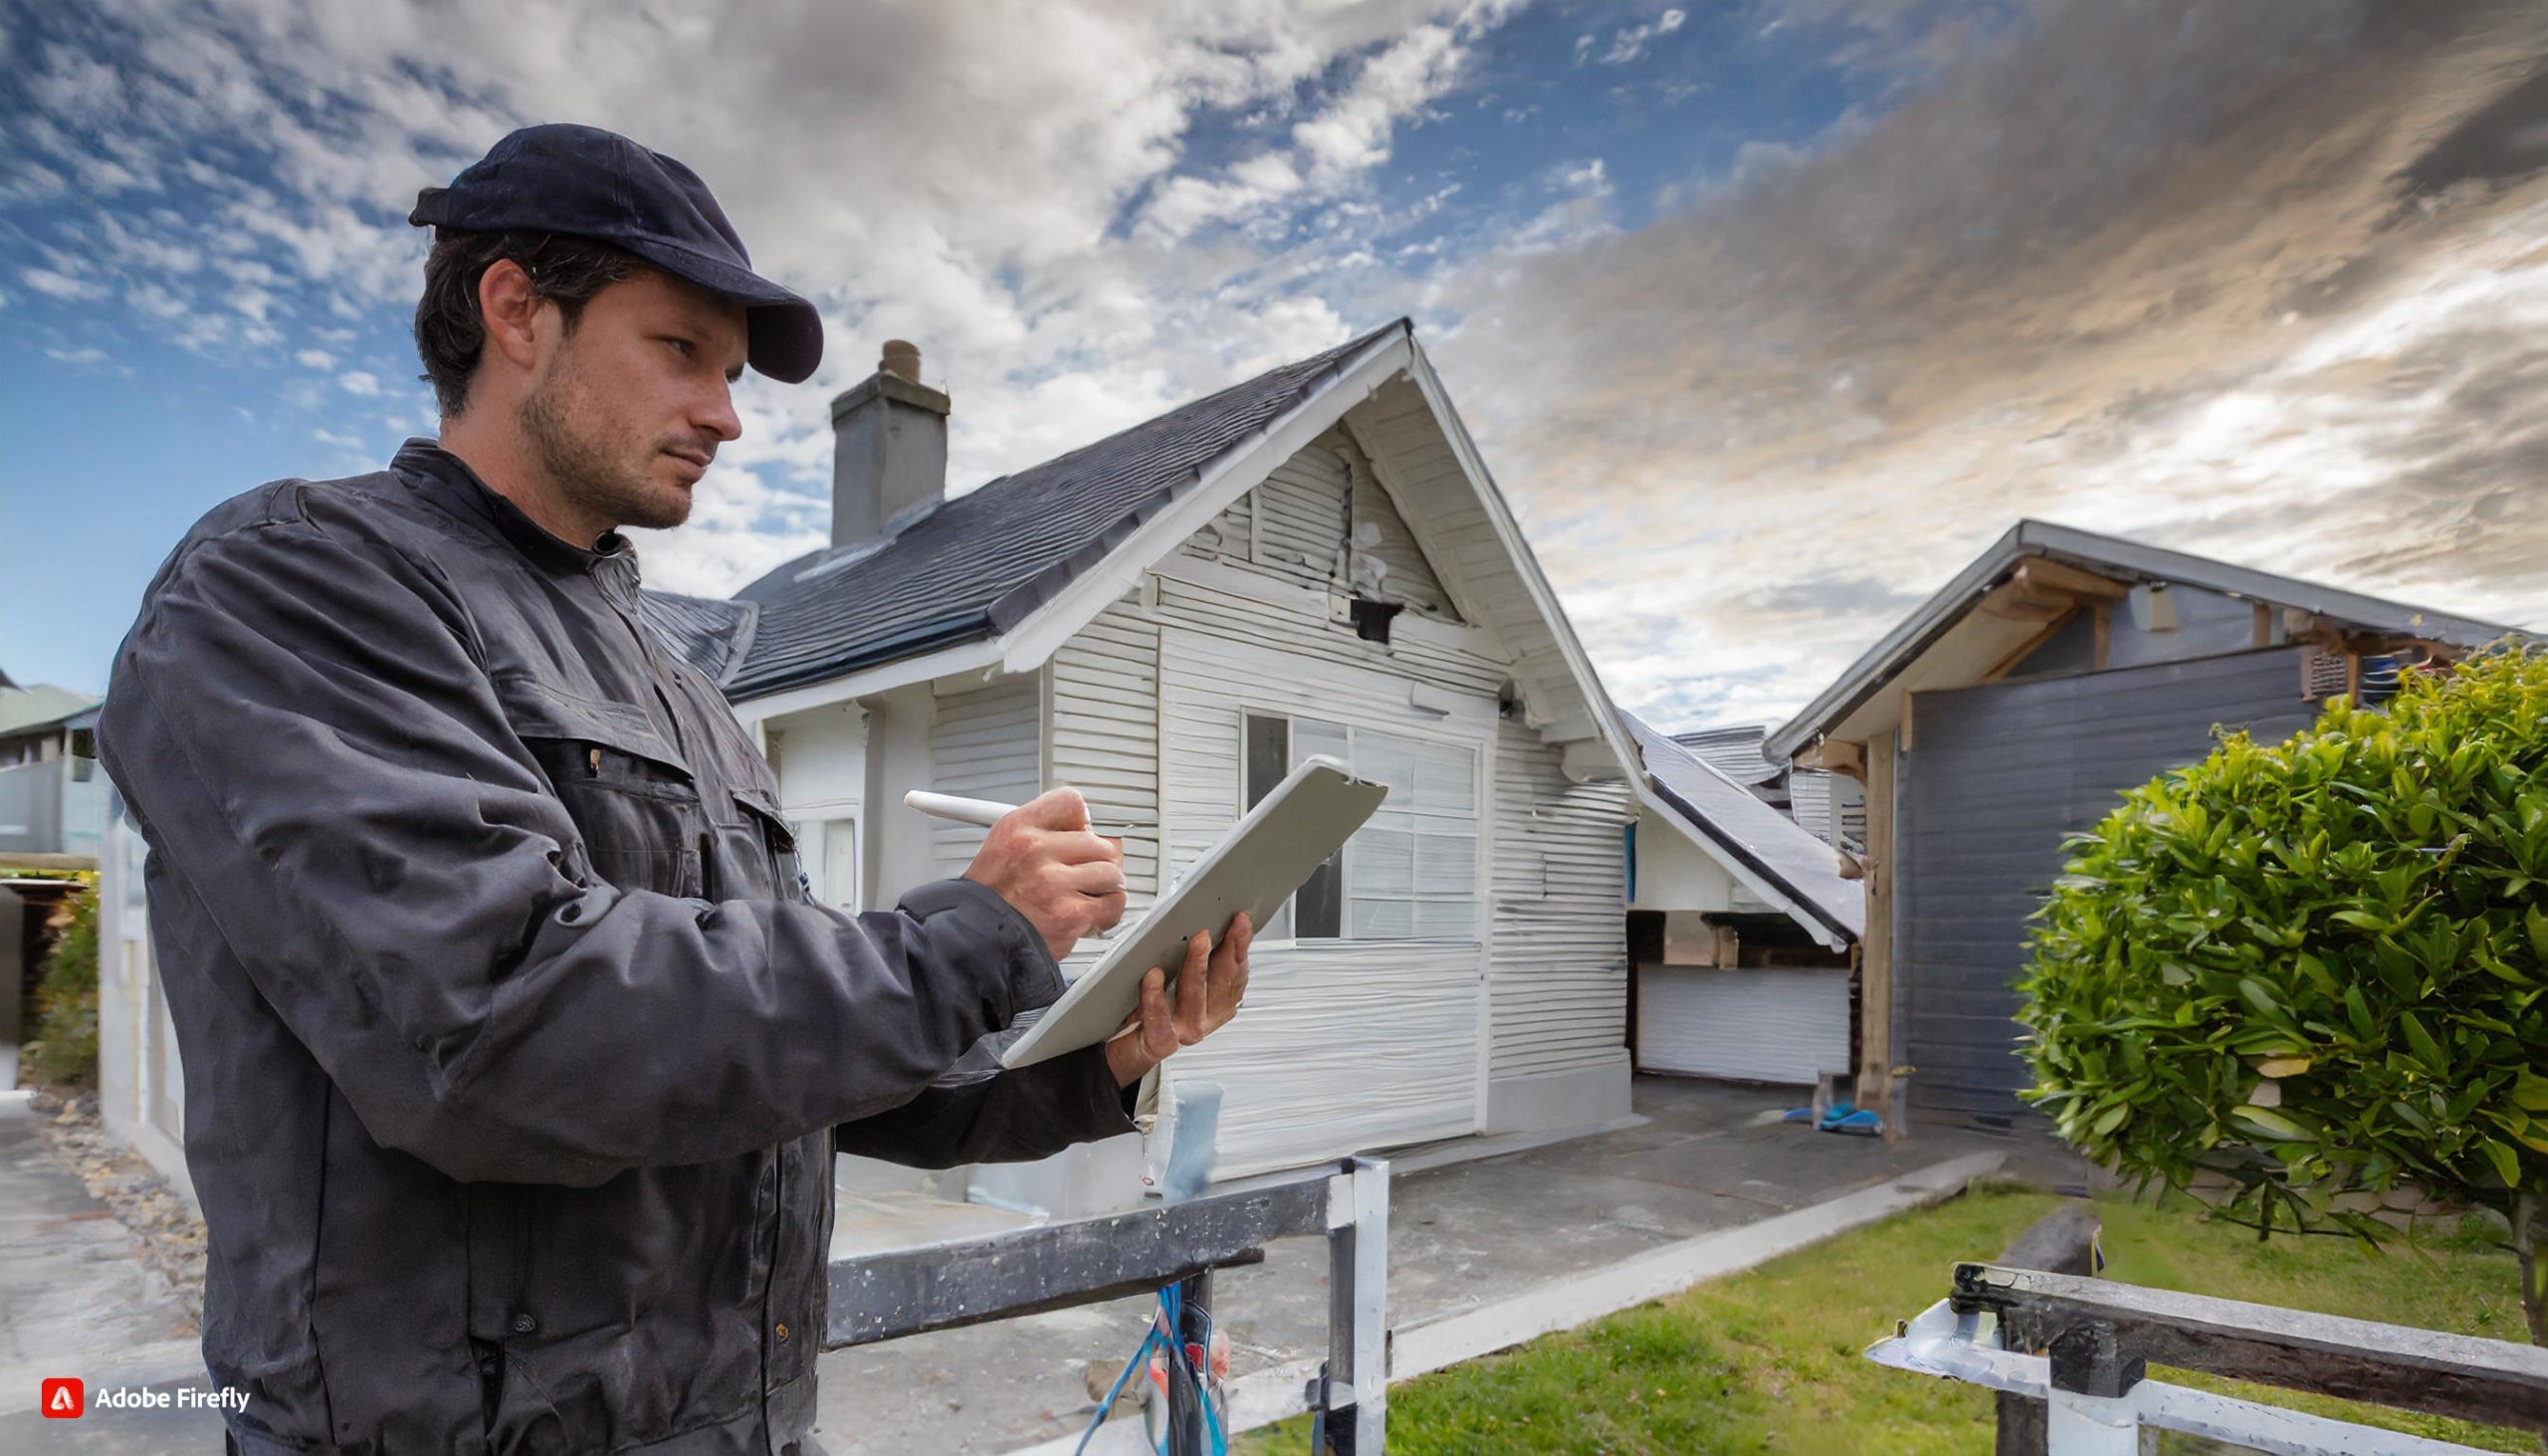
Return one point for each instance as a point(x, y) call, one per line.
point(516, 1056)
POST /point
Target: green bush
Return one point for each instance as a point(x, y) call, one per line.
point(65, 1048)
point(2297, 978)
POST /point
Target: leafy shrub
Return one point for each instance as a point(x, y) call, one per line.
point(65, 1048)
point(2297, 978)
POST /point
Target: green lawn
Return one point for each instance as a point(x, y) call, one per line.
point(1770, 1361)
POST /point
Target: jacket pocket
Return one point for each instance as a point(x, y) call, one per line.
point(755, 850)
point(634, 801)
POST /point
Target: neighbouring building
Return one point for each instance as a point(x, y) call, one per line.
point(1313, 561)
point(52, 818)
point(2010, 709)
point(1742, 926)
point(53, 798)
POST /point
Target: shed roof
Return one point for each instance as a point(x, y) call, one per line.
point(2118, 559)
point(978, 563)
point(1734, 751)
point(1731, 820)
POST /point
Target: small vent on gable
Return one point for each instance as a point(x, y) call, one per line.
point(2322, 675)
point(1372, 618)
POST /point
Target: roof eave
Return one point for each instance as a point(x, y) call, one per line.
point(1899, 649)
point(933, 637)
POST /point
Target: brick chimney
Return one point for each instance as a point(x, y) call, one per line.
point(889, 449)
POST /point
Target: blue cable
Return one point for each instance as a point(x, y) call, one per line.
point(1171, 1309)
point(1103, 1408)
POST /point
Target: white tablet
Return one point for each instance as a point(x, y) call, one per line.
point(1254, 868)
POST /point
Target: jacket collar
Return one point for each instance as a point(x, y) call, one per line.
point(447, 479)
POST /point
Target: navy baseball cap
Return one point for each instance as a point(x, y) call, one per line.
point(591, 183)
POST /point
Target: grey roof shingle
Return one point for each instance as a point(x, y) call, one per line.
point(714, 634)
point(1768, 842)
point(978, 563)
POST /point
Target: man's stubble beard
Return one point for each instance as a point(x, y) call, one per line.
point(580, 461)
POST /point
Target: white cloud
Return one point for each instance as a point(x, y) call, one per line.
point(360, 381)
point(315, 359)
point(2202, 294)
point(980, 209)
point(61, 285)
point(1629, 42)
point(79, 357)
point(1350, 133)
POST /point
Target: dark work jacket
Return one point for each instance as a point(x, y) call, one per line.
point(515, 1054)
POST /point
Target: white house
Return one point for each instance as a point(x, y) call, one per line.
point(1313, 561)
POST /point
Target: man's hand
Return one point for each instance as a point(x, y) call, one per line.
point(1042, 858)
point(1207, 996)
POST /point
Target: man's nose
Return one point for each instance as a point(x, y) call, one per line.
point(719, 418)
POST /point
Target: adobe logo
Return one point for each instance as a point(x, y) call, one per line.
point(63, 1399)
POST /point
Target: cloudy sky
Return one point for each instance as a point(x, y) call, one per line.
point(1769, 314)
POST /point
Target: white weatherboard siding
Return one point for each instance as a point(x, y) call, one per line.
point(1559, 975)
point(1386, 562)
point(1756, 1025)
point(1299, 517)
point(984, 743)
point(1345, 1044)
point(1104, 741)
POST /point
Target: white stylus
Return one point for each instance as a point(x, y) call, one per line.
point(985, 813)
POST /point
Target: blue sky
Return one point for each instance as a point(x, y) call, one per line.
point(1767, 314)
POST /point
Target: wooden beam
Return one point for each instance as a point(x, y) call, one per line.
point(887, 1296)
point(2487, 1380)
point(1875, 966)
point(1836, 755)
point(2015, 602)
point(2008, 661)
point(2040, 574)
point(2263, 634)
point(2104, 614)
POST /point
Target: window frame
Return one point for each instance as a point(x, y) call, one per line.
point(1471, 827)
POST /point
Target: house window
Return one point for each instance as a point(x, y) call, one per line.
point(1411, 873)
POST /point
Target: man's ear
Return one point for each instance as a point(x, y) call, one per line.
point(513, 316)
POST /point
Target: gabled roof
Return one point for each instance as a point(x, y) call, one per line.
point(997, 580)
point(1755, 842)
point(978, 563)
point(2116, 559)
point(25, 710)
